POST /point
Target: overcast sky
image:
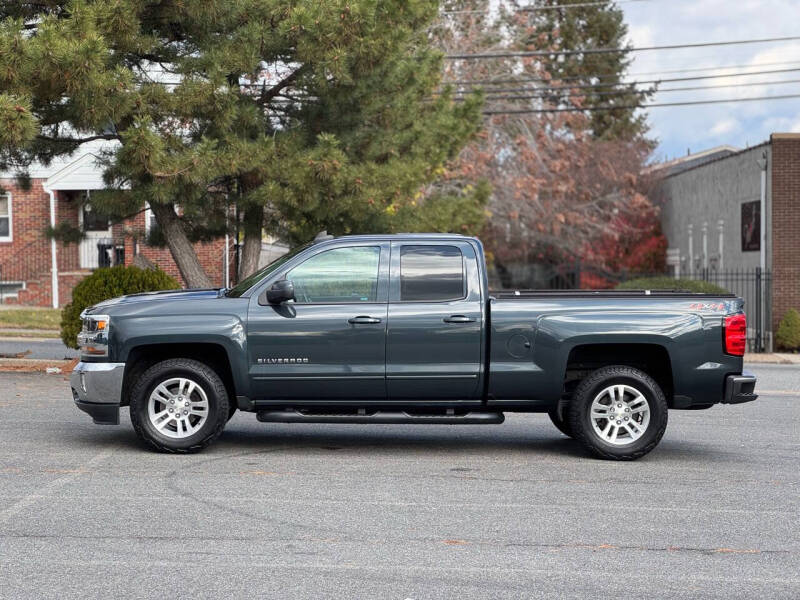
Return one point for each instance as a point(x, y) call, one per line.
point(661, 22)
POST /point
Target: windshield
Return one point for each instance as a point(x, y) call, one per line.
point(248, 282)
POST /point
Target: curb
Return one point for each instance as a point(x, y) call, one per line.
point(50, 334)
point(775, 358)
point(25, 338)
point(36, 365)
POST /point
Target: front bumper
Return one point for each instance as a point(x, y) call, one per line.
point(97, 390)
point(740, 388)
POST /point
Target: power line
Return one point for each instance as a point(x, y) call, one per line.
point(576, 5)
point(600, 77)
point(720, 68)
point(539, 8)
point(632, 92)
point(635, 106)
point(643, 82)
point(613, 50)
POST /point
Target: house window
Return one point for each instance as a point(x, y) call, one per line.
point(5, 217)
point(93, 220)
point(150, 222)
point(751, 226)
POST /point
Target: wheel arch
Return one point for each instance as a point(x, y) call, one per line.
point(652, 358)
point(142, 357)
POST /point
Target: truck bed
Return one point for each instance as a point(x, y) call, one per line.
point(511, 294)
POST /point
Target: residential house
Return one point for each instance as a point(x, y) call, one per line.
point(38, 271)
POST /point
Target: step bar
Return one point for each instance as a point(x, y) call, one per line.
point(380, 416)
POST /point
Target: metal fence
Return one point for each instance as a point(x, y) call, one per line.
point(753, 285)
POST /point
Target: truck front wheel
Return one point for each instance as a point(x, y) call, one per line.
point(179, 405)
point(618, 413)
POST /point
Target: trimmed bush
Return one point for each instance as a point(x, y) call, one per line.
point(788, 335)
point(106, 283)
point(669, 283)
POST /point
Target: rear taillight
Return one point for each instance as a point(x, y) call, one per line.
point(735, 334)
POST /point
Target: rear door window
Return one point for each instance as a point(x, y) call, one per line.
point(431, 273)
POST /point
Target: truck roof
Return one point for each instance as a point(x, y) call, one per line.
point(389, 236)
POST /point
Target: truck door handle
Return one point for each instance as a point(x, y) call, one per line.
point(458, 319)
point(363, 320)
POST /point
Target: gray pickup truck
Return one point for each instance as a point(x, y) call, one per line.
point(403, 329)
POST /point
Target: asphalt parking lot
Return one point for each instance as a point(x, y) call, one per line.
point(355, 511)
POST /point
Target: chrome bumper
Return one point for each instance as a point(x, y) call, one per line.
point(97, 390)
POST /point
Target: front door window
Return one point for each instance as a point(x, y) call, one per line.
point(338, 276)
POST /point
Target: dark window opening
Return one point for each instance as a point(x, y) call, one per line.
point(431, 274)
point(93, 220)
point(751, 226)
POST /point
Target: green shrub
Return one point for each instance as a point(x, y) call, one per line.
point(670, 283)
point(108, 283)
point(788, 335)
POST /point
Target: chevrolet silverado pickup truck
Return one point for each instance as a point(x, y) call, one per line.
point(403, 329)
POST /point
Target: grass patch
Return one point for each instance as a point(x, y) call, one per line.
point(30, 318)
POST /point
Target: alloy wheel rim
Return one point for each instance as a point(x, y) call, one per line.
point(177, 407)
point(620, 414)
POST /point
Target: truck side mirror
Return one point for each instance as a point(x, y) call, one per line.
point(281, 291)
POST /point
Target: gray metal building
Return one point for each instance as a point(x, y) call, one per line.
point(711, 210)
point(732, 217)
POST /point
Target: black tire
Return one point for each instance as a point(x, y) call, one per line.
point(560, 418)
point(580, 415)
point(205, 377)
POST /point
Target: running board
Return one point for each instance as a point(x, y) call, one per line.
point(380, 416)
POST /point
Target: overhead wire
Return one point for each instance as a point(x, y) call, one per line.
point(629, 83)
point(543, 7)
point(633, 92)
point(615, 50)
point(602, 77)
point(635, 106)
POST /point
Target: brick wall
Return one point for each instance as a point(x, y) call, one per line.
point(785, 224)
point(210, 254)
point(27, 257)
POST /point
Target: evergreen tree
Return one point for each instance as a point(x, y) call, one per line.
point(566, 186)
point(306, 116)
point(589, 25)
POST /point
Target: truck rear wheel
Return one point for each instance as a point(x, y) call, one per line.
point(618, 413)
point(179, 405)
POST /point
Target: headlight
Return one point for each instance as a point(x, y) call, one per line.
point(93, 338)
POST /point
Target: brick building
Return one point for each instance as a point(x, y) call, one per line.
point(38, 271)
point(729, 213)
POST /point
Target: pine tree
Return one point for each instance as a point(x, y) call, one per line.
point(565, 185)
point(590, 25)
point(306, 116)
